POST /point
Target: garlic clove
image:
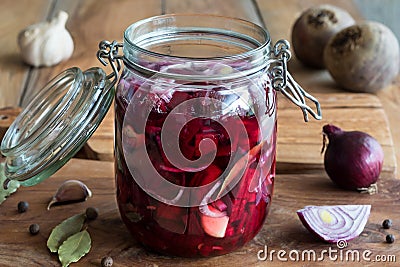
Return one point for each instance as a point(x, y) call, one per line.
point(70, 191)
point(46, 43)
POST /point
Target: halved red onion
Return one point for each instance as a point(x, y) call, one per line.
point(220, 205)
point(237, 169)
point(213, 221)
point(334, 223)
point(206, 208)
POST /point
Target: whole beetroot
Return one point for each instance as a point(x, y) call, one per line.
point(313, 29)
point(363, 57)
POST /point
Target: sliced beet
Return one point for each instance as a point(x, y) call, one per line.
point(206, 176)
point(171, 218)
point(207, 147)
point(236, 216)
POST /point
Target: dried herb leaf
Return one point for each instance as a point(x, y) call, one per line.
point(12, 185)
point(74, 248)
point(65, 229)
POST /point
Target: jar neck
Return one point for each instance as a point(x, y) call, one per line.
point(196, 47)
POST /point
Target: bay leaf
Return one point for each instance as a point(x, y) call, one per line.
point(65, 229)
point(12, 185)
point(74, 248)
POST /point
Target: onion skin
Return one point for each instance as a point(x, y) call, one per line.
point(363, 57)
point(313, 29)
point(335, 223)
point(353, 160)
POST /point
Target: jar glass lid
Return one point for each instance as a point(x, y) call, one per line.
point(55, 125)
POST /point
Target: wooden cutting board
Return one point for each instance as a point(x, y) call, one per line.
point(300, 143)
point(282, 230)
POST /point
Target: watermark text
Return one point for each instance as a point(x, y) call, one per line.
point(331, 254)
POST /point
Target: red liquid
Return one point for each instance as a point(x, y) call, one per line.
point(188, 231)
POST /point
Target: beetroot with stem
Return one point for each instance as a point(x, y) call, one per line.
point(353, 160)
point(313, 29)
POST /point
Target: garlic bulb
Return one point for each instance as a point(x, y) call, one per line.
point(46, 43)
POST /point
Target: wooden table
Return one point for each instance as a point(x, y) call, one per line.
point(301, 180)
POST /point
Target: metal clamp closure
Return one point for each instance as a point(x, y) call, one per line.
point(282, 81)
point(109, 50)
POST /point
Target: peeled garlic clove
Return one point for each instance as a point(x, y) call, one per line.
point(70, 191)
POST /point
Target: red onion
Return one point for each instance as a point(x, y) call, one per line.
point(353, 160)
point(215, 223)
point(335, 223)
point(210, 211)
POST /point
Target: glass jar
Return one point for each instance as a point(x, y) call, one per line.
point(195, 129)
point(195, 117)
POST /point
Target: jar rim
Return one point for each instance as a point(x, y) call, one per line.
point(202, 17)
point(55, 125)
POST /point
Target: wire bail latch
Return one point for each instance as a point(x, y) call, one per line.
point(109, 51)
point(282, 81)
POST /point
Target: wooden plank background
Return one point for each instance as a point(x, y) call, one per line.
point(94, 20)
point(282, 230)
point(90, 22)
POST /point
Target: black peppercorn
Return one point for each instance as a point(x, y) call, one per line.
point(34, 229)
point(91, 213)
point(387, 224)
point(390, 238)
point(107, 262)
point(22, 206)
